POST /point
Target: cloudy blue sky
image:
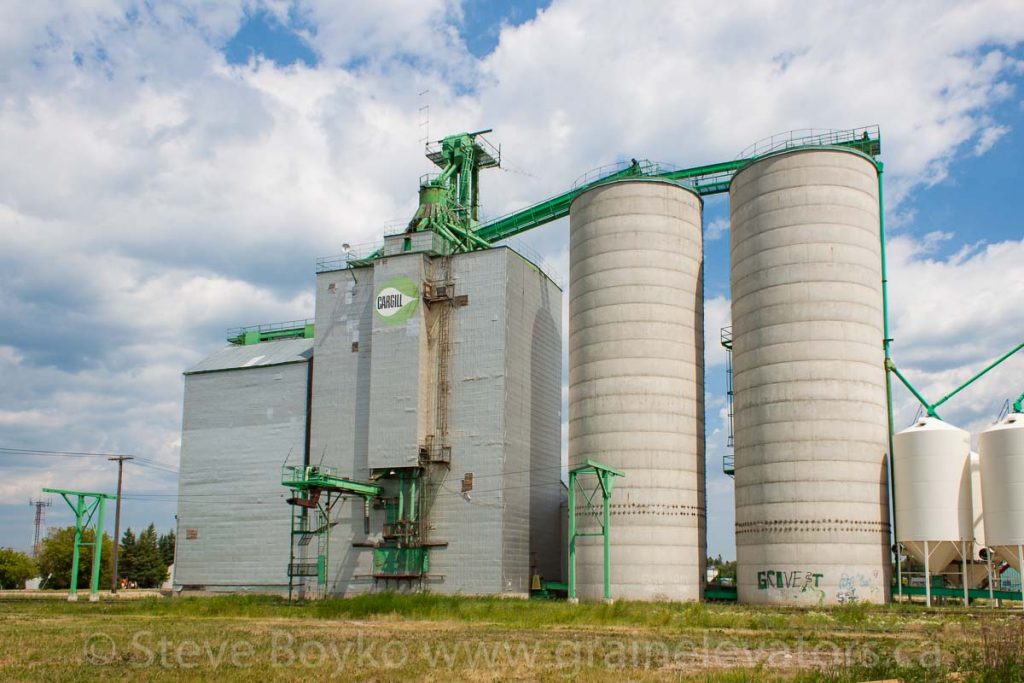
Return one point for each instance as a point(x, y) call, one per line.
point(170, 169)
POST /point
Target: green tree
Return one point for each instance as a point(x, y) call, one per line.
point(55, 556)
point(148, 569)
point(166, 544)
point(126, 555)
point(15, 568)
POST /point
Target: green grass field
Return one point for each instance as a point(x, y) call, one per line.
point(429, 637)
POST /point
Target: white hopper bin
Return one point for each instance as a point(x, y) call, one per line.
point(934, 514)
point(1001, 448)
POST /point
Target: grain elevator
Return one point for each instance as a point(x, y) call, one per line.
point(408, 437)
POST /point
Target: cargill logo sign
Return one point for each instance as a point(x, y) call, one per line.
point(397, 300)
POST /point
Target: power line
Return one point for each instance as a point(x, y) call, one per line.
point(155, 466)
point(37, 451)
point(136, 459)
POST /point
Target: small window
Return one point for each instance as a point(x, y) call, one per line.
point(407, 244)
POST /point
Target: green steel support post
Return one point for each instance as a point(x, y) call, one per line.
point(79, 509)
point(84, 514)
point(605, 477)
point(572, 536)
point(97, 552)
point(307, 481)
point(1018, 405)
point(606, 490)
point(321, 561)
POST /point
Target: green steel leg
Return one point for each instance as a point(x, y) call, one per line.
point(97, 552)
point(572, 537)
point(79, 509)
point(607, 537)
point(963, 568)
point(927, 576)
point(325, 558)
point(1020, 558)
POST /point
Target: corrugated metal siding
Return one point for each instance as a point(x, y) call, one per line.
point(341, 411)
point(399, 378)
point(472, 562)
point(235, 357)
point(238, 428)
point(533, 411)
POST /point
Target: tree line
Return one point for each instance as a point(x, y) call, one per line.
point(143, 560)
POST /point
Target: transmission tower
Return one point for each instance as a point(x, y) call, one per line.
point(40, 506)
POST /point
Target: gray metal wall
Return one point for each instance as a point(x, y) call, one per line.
point(504, 418)
point(401, 372)
point(475, 559)
point(340, 420)
point(238, 425)
point(533, 409)
point(810, 421)
point(636, 384)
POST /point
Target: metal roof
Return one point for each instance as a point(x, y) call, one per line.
point(238, 357)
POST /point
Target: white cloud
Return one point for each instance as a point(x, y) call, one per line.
point(950, 317)
point(717, 314)
point(716, 229)
point(988, 137)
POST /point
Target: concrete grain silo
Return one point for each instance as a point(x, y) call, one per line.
point(809, 385)
point(636, 383)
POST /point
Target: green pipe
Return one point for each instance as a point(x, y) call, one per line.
point(469, 234)
point(323, 562)
point(412, 497)
point(972, 380)
point(1018, 405)
point(401, 497)
point(572, 536)
point(446, 173)
point(928, 406)
point(447, 234)
point(886, 343)
point(886, 340)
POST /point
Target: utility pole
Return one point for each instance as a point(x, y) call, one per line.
point(117, 516)
point(40, 506)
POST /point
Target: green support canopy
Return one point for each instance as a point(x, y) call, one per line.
point(87, 506)
point(605, 478)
